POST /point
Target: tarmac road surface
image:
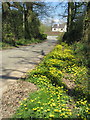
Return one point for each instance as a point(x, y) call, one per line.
point(17, 61)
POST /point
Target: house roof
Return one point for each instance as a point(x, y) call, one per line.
point(58, 25)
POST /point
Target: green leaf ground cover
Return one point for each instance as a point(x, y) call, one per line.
point(53, 100)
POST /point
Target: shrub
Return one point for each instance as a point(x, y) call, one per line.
point(60, 36)
point(42, 36)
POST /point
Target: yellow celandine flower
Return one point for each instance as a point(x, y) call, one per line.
point(49, 103)
point(31, 100)
point(62, 114)
point(83, 103)
point(45, 110)
point(65, 116)
point(48, 109)
point(61, 86)
point(56, 110)
point(53, 104)
point(89, 104)
point(87, 108)
point(63, 104)
point(63, 109)
point(38, 102)
point(25, 99)
point(68, 109)
point(51, 115)
point(26, 108)
point(70, 113)
point(59, 72)
point(21, 104)
point(78, 114)
point(43, 76)
point(35, 75)
point(52, 100)
point(58, 98)
point(34, 109)
point(38, 110)
point(86, 111)
point(58, 88)
point(25, 105)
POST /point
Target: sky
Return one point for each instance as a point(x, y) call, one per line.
point(56, 18)
point(67, 0)
point(31, 0)
point(60, 9)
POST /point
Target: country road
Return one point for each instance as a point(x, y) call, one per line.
point(17, 61)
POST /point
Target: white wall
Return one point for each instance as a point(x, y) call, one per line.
point(55, 29)
point(65, 28)
point(59, 29)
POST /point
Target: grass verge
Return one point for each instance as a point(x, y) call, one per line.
point(21, 42)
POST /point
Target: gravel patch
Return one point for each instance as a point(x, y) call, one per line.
point(15, 93)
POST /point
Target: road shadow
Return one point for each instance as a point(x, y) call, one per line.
point(8, 77)
point(11, 74)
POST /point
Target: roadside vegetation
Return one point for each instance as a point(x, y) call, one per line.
point(55, 98)
point(22, 42)
point(63, 75)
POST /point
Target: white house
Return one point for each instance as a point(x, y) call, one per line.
point(59, 27)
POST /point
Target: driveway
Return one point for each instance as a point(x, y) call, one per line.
point(16, 62)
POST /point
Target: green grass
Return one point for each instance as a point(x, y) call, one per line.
point(52, 99)
point(27, 42)
point(20, 42)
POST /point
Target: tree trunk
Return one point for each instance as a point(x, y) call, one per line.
point(71, 15)
point(86, 25)
point(29, 7)
point(23, 20)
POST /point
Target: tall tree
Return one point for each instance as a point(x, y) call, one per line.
point(86, 24)
point(26, 23)
point(76, 12)
point(72, 10)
